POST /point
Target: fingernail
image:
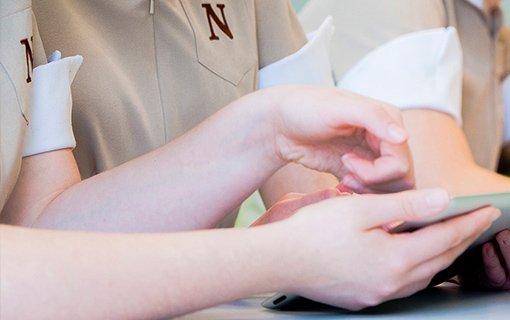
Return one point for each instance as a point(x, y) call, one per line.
point(505, 239)
point(397, 133)
point(437, 199)
point(495, 214)
point(342, 188)
point(489, 251)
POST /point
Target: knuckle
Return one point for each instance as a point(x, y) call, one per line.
point(388, 290)
point(407, 206)
point(397, 266)
point(402, 168)
point(497, 280)
point(456, 238)
point(371, 300)
point(383, 110)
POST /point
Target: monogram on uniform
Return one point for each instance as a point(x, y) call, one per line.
point(222, 24)
point(29, 58)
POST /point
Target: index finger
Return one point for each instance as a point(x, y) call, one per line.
point(367, 113)
point(431, 241)
point(378, 210)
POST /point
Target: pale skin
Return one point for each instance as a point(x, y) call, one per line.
point(49, 274)
point(140, 276)
point(293, 124)
point(442, 157)
point(440, 152)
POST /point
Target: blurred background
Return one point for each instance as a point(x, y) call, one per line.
point(253, 207)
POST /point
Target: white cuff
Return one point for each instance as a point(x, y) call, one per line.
point(310, 65)
point(417, 70)
point(50, 125)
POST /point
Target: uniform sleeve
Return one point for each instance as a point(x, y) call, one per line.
point(363, 25)
point(279, 33)
point(383, 49)
point(418, 70)
point(310, 65)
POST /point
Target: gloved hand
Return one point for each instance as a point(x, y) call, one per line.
point(50, 125)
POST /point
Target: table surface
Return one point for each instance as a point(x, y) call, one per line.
point(446, 301)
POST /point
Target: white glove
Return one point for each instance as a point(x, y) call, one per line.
point(309, 65)
point(49, 118)
point(417, 70)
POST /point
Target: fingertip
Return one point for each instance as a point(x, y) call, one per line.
point(488, 251)
point(437, 199)
point(503, 238)
point(342, 188)
point(489, 215)
point(396, 133)
point(351, 184)
point(331, 192)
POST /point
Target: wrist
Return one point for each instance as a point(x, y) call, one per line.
point(276, 258)
point(264, 121)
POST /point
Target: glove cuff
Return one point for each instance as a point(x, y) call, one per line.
point(50, 125)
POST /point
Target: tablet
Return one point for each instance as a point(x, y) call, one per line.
point(465, 204)
point(458, 206)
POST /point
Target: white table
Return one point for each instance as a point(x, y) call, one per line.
point(446, 301)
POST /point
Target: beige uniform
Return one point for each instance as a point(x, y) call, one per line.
point(20, 50)
point(362, 25)
point(149, 76)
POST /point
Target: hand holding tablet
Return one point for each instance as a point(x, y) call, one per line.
point(458, 206)
point(465, 204)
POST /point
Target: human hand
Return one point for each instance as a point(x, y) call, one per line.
point(291, 202)
point(338, 254)
point(489, 266)
point(356, 138)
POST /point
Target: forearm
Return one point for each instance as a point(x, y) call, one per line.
point(233, 152)
point(187, 184)
point(54, 275)
point(43, 177)
point(442, 156)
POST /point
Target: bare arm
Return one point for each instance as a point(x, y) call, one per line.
point(47, 274)
point(42, 179)
point(442, 157)
point(229, 155)
point(51, 274)
point(156, 191)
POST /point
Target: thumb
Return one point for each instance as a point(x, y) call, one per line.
point(412, 205)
